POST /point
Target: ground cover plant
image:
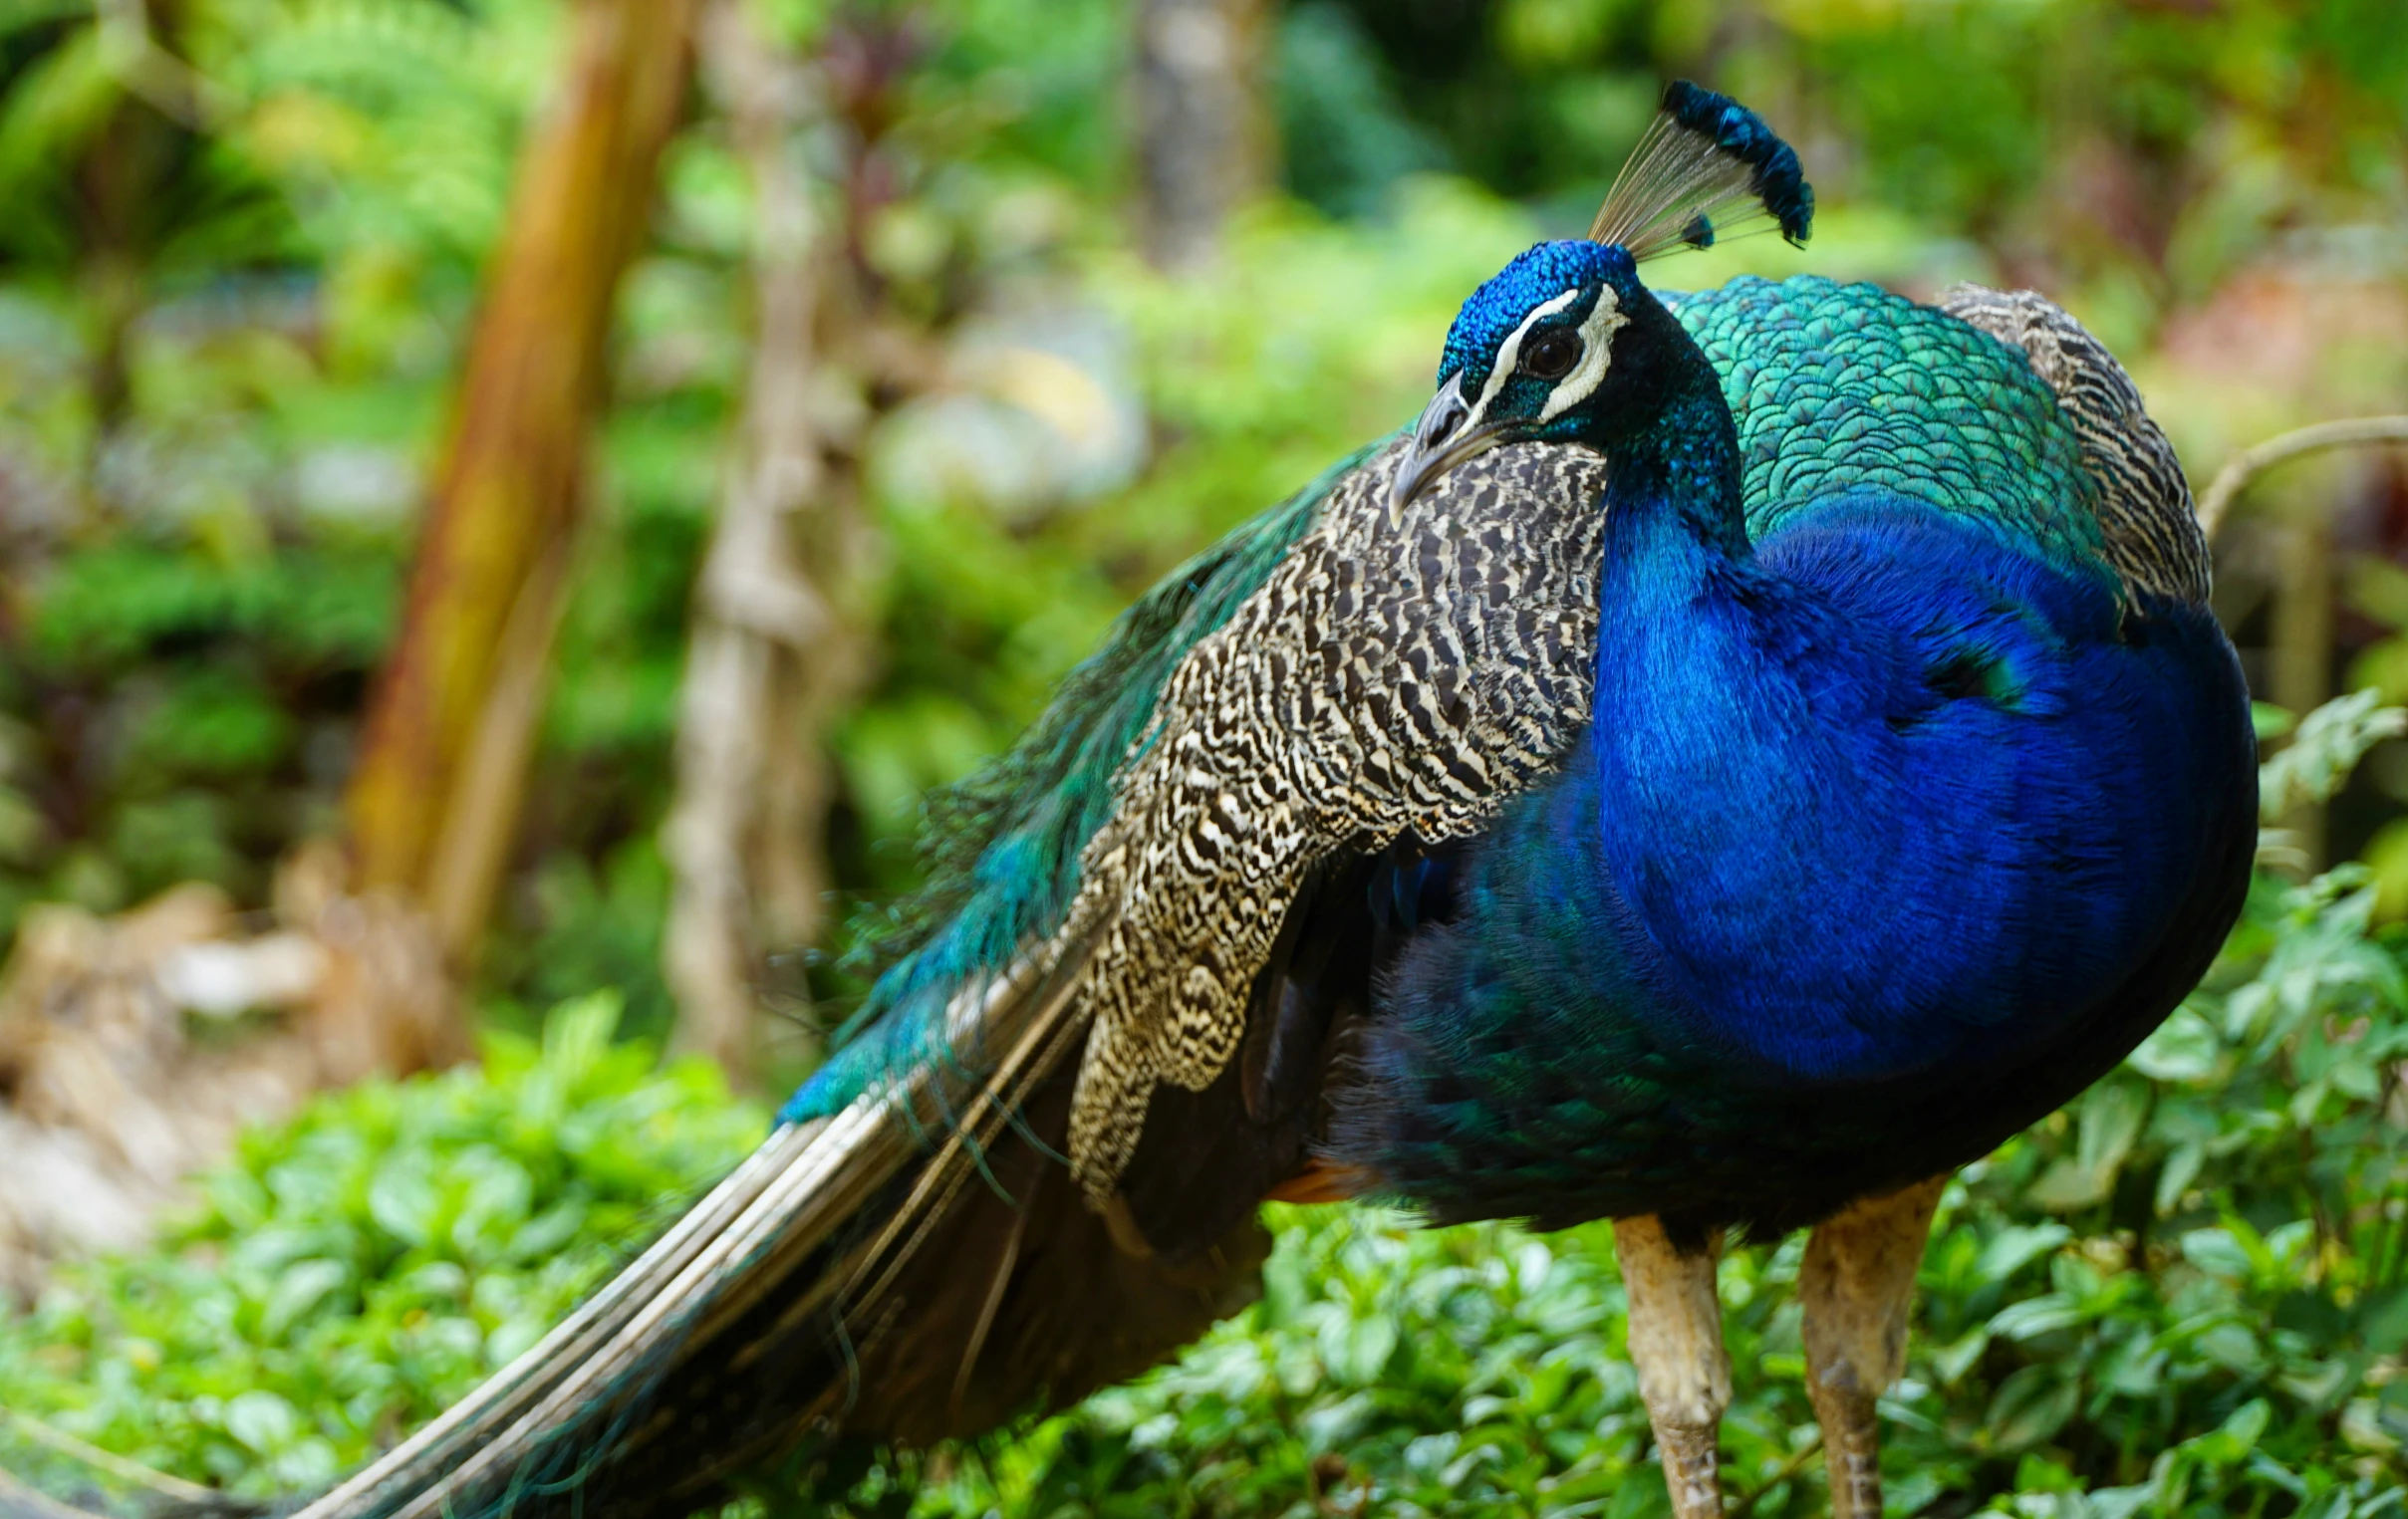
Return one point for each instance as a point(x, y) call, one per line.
point(350, 1272)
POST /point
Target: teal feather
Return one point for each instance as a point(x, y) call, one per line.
point(1002, 848)
point(1841, 387)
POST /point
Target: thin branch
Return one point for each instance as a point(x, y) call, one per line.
point(2250, 463)
point(19, 1498)
point(116, 1466)
point(1745, 1502)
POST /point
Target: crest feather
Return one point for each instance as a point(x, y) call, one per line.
point(1705, 167)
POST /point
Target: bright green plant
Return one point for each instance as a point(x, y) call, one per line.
point(354, 1270)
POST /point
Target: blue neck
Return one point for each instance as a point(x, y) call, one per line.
point(1704, 745)
point(1679, 471)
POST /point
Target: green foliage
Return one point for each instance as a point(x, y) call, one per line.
point(1968, 108)
point(175, 695)
point(354, 1270)
point(288, 319)
point(2326, 746)
point(1347, 135)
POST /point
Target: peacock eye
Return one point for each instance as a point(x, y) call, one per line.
point(1552, 356)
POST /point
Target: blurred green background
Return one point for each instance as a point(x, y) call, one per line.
point(241, 249)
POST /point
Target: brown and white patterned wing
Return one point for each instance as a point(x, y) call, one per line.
point(2152, 529)
point(1398, 675)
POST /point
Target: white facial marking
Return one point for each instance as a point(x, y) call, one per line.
point(1508, 358)
point(1596, 353)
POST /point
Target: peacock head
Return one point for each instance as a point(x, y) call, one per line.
point(1565, 345)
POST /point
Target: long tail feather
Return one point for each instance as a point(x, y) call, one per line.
point(805, 1225)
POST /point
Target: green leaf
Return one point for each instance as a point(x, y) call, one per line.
point(2067, 1187)
point(2217, 1252)
point(1951, 1362)
point(299, 1290)
point(1359, 1348)
point(2324, 749)
point(261, 1421)
point(2017, 1246)
point(405, 1200)
point(2183, 1049)
point(2111, 1117)
point(2032, 1405)
point(2383, 1320)
point(2036, 1316)
point(578, 1034)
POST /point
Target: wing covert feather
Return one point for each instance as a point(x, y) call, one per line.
point(2153, 536)
point(1396, 675)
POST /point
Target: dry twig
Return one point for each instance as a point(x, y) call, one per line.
point(2250, 463)
point(134, 1473)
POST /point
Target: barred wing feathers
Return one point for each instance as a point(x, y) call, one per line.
point(2153, 535)
point(1395, 678)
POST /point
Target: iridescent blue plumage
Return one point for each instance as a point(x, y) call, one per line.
point(1506, 300)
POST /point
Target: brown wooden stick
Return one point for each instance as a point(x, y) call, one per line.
point(509, 488)
point(2250, 463)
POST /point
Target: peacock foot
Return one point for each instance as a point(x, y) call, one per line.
point(1676, 1343)
point(1856, 1286)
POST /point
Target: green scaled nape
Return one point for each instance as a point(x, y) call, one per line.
point(1837, 388)
point(1003, 846)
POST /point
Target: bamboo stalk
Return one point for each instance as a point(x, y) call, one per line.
point(433, 792)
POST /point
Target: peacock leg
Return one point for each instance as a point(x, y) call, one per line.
point(1676, 1340)
point(1855, 1288)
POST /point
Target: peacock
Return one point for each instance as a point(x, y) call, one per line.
point(1738, 757)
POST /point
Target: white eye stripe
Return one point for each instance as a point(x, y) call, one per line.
point(1509, 357)
point(1596, 354)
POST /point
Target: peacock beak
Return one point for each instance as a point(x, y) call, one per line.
point(1444, 436)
